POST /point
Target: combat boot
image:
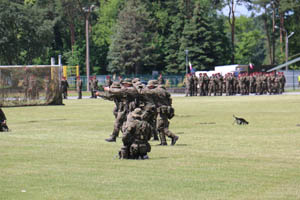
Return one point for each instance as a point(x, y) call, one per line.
point(111, 139)
point(174, 139)
point(163, 144)
point(155, 137)
point(163, 141)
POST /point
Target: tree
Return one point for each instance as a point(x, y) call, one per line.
point(130, 51)
point(249, 42)
point(26, 32)
point(202, 37)
point(172, 46)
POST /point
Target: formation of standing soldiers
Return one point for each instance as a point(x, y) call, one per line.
point(141, 111)
point(257, 83)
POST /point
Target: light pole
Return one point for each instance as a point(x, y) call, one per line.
point(186, 61)
point(286, 46)
point(87, 11)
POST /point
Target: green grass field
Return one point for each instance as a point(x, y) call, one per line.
point(59, 152)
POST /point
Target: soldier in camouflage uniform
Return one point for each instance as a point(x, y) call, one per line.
point(136, 136)
point(258, 84)
point(108, 81)
point(282, 81)
point(114, 93)
point(148, 104)
point(212, 85)
point(64, 87)
point(95, 86)
point(195, 84)
point(161, 80)
point(79, 87)
point(219, 84)
point(252, 83)
point(200, 83)
point(126, 99)
point(165, 112)
point(205, 84)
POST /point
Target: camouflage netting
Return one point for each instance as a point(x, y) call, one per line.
point(30, 85)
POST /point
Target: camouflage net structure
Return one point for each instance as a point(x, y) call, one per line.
point(30, 85)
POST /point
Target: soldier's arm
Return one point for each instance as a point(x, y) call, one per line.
point(128, 134)
point(105, 95)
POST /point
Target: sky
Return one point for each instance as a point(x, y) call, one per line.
point(240, 10)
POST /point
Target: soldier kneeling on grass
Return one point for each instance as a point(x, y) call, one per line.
point(3, 125)
point(135, 138)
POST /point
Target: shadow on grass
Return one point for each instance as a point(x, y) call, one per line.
point(35, 121)
point(183, 115)
point(206, 123)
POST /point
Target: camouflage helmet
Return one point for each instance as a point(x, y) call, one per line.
point(137, 113)
point(153, 83)
point(127, 81)
point(139, 84)
point(115, 85)
point(135, 80)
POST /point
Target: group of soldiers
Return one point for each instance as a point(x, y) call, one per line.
point(257, 83)
point(141, 112)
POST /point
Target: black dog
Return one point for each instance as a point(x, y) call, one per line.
point(240, 121)
point(3, 127)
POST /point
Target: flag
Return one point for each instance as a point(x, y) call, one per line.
point(250, 65)
point(191, 68)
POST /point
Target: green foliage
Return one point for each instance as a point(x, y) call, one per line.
point(249, 42)
point(72, 58)
point(172, 46)
point(203, 37)
point(108, 14)
point(26, 32)
point(130, 51)
point(32, 31)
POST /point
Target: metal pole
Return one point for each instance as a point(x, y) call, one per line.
point(186, 61)
point(293, 79)
point(286, 49)
point(87, 58)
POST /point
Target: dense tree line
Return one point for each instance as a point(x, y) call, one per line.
point(139, 36)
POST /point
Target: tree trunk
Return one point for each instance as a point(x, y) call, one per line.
point(273, 33)
point(281, 31)
point(267, 34)
point(231, 20)
point(72, 31)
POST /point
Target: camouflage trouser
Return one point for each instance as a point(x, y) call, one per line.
point(79, 94)
point(163, 128)
point(187, 91)
point(65, 94)
point(134, 150)
point(120, 120)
